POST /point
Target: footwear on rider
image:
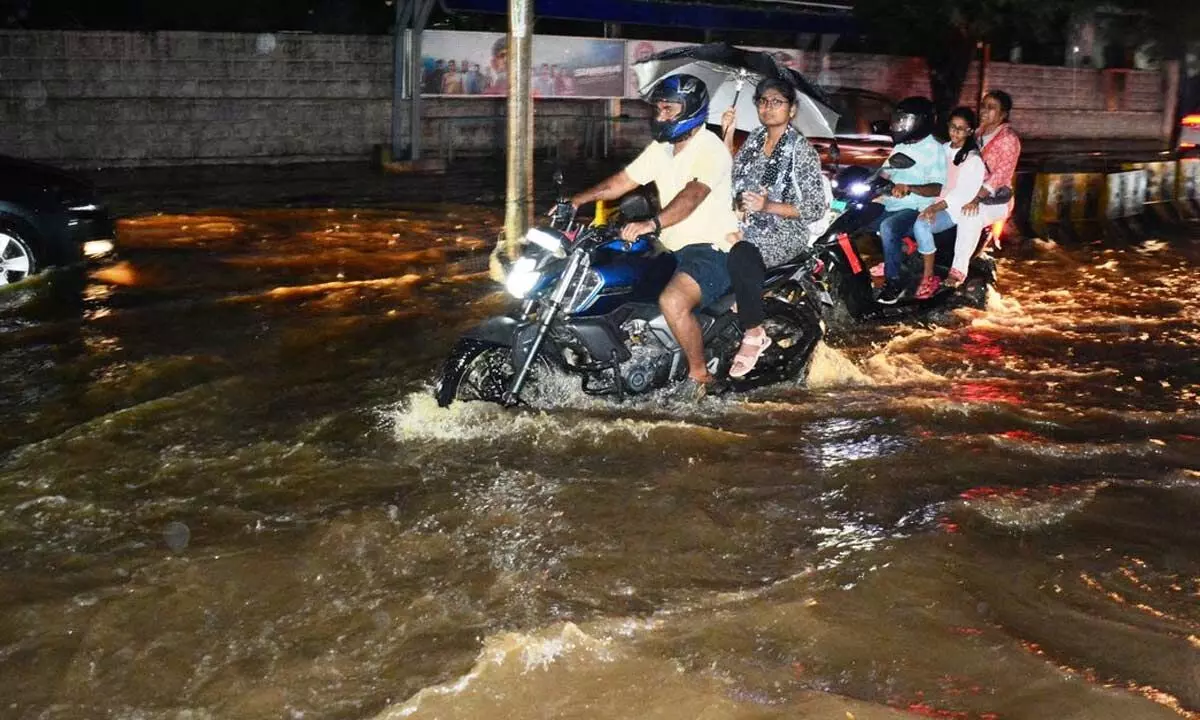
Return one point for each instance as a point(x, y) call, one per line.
point(891, 293)
point(929, 285)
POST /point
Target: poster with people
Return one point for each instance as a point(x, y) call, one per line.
point(475, 63)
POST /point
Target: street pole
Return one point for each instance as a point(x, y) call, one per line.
point(518, 205)
point(400, 74)
point(985, 59)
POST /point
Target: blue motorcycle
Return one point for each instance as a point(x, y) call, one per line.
point(589, 307)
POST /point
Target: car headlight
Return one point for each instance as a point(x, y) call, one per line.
point(522, 278)
point(546, 240)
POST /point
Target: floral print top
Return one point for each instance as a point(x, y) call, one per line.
point(791, 174)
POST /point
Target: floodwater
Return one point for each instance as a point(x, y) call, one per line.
point(225, 492)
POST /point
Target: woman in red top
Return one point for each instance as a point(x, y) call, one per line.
point(1001, 150)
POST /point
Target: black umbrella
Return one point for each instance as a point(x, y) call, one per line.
point(725, 70)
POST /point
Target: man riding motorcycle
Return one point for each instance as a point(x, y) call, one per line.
point(915, 188)
point(692, 171)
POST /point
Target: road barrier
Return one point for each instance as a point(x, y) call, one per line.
point(1116, 200)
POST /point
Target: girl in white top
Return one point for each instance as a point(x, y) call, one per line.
point(964, 176)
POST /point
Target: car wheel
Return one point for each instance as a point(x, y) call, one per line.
point(18, 260)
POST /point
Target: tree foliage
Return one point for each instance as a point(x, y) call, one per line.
point(946, 32)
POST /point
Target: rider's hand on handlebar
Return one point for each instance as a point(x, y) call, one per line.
point(632, 231)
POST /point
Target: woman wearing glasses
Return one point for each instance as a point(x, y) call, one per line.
point(777, 182)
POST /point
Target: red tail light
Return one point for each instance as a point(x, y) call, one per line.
point(1192, 120)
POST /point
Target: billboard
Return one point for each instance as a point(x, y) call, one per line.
point(474, 64)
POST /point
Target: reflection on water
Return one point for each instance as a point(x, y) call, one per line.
point(227, 492)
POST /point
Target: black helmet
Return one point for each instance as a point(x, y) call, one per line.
point(687, 90)
point(912, 120)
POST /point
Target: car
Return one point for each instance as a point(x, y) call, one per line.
point(861, 135)
point(1189, 132)
point(48, 217)
point(862, 130)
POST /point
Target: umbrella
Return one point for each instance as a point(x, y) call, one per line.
point(731, 73)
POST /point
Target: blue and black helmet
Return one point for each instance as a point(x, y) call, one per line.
point(690, 92)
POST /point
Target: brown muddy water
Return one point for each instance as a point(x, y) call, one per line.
point(225, 492)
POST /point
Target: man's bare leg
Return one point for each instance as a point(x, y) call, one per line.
point(677, 301)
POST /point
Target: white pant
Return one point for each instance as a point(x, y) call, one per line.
point(969, 230)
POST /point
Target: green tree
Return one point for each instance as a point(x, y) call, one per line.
point(946, 33)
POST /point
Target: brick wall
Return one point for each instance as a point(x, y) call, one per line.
point(104, 98)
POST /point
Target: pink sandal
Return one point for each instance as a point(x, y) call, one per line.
point(748, 354)
point(954, 278)
point(877, 270)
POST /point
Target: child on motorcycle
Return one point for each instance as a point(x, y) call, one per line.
point(964, 176)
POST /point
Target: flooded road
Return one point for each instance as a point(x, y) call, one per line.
point(226, 492)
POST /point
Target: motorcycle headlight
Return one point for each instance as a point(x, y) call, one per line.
point(859, 189)
point(522, 278)
point(549, 241)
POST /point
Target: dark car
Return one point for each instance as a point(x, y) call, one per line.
point(862, 129)
point(48, 217)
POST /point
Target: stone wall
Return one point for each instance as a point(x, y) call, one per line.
point(106, 98)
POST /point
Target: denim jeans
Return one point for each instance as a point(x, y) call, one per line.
point(893, 225)
point(924, 231)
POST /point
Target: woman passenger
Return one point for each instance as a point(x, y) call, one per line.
point(777, 176)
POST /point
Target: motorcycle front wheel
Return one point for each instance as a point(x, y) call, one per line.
point(474, 370)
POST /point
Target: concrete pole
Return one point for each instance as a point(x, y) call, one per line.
point(401, 87)
point(421, 13)
point(518, 204)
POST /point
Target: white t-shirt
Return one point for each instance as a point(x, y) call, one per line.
point(704, 159)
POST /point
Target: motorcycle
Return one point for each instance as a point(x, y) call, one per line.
point(845, 275)
point(589, 308)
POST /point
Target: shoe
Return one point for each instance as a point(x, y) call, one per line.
point(928, 287)
point(877, 270)
point(891, 293)
point(748, 354)
point(954, 278)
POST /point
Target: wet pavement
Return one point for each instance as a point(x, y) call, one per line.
point(226, 492)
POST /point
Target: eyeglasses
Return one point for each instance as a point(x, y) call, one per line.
point(773, 103)
point(960, 128)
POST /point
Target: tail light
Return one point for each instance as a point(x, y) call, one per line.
point(1192, 120)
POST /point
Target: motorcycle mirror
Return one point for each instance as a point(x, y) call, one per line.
point(900, 161)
